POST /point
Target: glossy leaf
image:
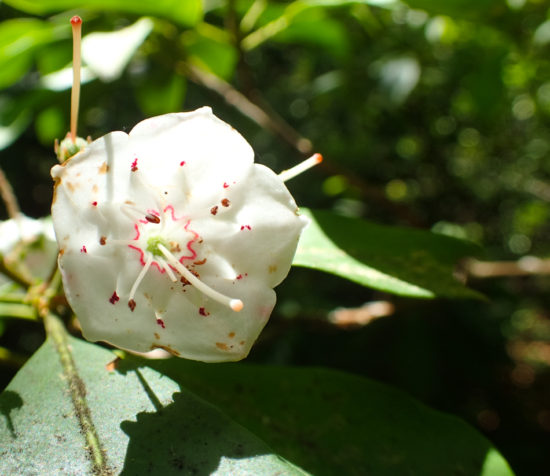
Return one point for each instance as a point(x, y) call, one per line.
point(188, 12)
point(401, 261)
point(145, 422)
point(152, 417)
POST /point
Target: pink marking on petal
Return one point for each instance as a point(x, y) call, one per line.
point(225, 185)
point(245, 227)
point(94, 204)
point(114, 298)
point(137, 232)
point(134, 165)
point(160, 322)
point(240, 276)
point(203, 312)
point(182, 163)
point(83, 249)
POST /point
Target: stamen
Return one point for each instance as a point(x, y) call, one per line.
point(301, 167)
point(235, 304)
point(76, 23)
point(140, 277)
point(167, 268)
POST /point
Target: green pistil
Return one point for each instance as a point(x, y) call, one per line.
point(153, 245)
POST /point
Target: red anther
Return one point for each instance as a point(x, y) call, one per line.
point(152, 218)
point(76, 20)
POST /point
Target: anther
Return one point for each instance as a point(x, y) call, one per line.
point(301, 167)
point(235, 304)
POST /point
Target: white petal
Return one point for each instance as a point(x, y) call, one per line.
point(189, 181)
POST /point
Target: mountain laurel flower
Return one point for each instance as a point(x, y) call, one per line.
point(172, 237)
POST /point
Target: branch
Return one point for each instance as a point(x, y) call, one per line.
point(526, 266)
point(247, 107)
point(9, 198)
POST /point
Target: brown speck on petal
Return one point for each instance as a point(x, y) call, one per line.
point(202, 261)
point(132, 305)
point(222, 346)
point(231, 335)
point(103, 240)
point(214, 210)
point(104, 168)
point(225, 202)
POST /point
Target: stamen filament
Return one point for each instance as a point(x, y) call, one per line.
point(140, 277)
point(76, 23)
point(301, 167)
point(167, 268)
point(235, 304)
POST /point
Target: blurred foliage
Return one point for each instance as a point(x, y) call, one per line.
point(429, 114)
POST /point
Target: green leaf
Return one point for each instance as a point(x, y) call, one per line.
point(402, 261)
point(18, 41)
point(158, 417)
point(210, 50)
point(188, 12)
point(145, 423)
point(459, 8)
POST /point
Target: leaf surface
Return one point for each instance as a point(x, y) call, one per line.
point(402, 261)
point(180, 417)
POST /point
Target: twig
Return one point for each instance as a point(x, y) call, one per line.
point(9, 198)
point(526, 266)
point(14, 275)
point(247, 107)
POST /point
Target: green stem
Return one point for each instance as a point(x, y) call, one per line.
point(58, 334)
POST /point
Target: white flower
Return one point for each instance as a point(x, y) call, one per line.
point(171, 237)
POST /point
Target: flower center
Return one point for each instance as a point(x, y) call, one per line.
point(166, 241)
point(153, 244)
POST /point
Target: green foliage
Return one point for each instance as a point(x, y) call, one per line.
point(184, 417)
point(186, 13)
point(397, 260)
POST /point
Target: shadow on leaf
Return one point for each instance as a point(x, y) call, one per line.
point(190, 436)
point(9, 402)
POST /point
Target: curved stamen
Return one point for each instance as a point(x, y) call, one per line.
point(167, 268)
point(140, 277)
point(301, 167)
point(235, 304)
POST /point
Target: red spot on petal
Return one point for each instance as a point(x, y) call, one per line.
point(225, 185)
point(83, 249)
point(182, 163)
point(240, 276)
point(203, 311)
point(134, 165)
point(132, 305)
point(160, 322)
point(214, 210)
point(94, 204)
point(245, 227)
point(114, 298)
point(225, 202)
